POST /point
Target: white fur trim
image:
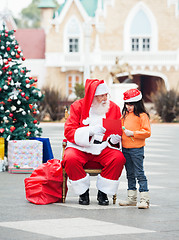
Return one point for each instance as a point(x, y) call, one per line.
point(101, 89)
point(134, 99)
point(82, 137)
point(80, 186)
point(106, 185)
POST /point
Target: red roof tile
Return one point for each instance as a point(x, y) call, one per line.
point(32, 42)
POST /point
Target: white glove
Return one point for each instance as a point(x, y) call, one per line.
point(115, 138)
point(129, 133)
point(96, 130)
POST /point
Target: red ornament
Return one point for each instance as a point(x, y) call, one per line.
point(9, 78)
point(14, 30)
point(17, 56)
point(35, 79)
point(30, 106)
point(30, 78)
point(6, 62)
point(16, 47)
point(0, 89)
point(2, 130)
point(10, 114)
point(12, 128)
point(28, 133)
point(9, 100)
point(19, 51)
point(6, 35)
point(23, 58)
point(27, 81)
point(8, 48)
point(9, 59)
point(35, 121)
point(27, 98)
point(10, 73)
point(23, 94)
point(34, 112)
point(22, 71)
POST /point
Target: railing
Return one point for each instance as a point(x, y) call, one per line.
point(108, 58)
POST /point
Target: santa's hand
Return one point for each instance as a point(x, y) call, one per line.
point(115, 138)
point(129, 133)
point(98, 130)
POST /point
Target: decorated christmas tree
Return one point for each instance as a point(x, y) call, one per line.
point(19, 95)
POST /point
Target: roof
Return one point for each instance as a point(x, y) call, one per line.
point(46, 4)
point(32, 42)
point(89, 6)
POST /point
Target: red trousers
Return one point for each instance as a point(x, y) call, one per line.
point(112, 161)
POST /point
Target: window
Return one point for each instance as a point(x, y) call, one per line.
point(140, 44)
point(73, 45)
point(71, 82)
point(140, 32)
point(73, 36)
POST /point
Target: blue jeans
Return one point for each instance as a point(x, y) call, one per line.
point(134, 168)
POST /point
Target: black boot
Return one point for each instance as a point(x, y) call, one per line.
point(102, 198)
point(84, 198)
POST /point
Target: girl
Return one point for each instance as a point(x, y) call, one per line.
point(136, 126)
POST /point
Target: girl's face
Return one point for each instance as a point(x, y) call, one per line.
point(130, 108)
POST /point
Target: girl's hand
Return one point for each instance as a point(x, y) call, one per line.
point(129, 133)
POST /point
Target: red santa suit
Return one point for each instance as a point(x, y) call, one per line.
point(81, 147)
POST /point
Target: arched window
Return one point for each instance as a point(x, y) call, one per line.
point(140, 32)
point(72, 36)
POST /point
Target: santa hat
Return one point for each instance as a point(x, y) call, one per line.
point(132, 95)
point(91, 86)
point(101, 89)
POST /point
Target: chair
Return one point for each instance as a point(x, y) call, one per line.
point(92, 168)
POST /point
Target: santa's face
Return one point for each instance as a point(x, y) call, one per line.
point(101, 98)
point(100, 104)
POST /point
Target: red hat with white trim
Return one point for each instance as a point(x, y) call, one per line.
point(132, 95)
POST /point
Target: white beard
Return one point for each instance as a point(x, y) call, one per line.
point(99, 108)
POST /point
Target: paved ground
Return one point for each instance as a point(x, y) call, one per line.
point(21, 220)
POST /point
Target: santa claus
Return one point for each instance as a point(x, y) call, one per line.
point(87, 140)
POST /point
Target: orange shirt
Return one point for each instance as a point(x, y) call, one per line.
point(141, 128)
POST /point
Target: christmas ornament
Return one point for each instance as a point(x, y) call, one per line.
point(12, 128)
point(2, 130)
point(28, 133)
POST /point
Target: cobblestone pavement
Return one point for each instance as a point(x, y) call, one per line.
point(21, 220)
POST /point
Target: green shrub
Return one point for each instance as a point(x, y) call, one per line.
point(166, 104)
point(79, 90)
point(52, 105)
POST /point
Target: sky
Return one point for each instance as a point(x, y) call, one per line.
point(16, 5)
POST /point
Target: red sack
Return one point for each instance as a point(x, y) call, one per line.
point(45, 184)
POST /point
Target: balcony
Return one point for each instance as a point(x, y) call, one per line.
point(77, 60)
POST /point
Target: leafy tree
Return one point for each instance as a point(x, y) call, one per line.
point(30, 16)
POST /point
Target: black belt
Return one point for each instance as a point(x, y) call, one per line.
point(97, 142)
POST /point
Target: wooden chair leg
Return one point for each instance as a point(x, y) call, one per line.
point(64, 185)
point(114, 199)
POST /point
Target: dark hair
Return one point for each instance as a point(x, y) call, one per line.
point(138, 108)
